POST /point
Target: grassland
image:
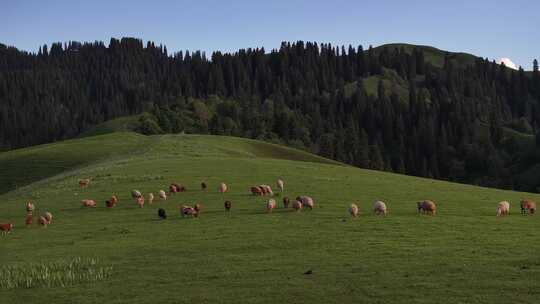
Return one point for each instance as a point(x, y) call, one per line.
point(121, 124)
point(463, 255)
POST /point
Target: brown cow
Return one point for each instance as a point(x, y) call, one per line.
point(306, 201)
point(174, 188)
point(6, 228)
point(427, 207)
point(140, 201)
point(528, 207)
point(188, 211)
point(88, 203)
point(112, 201)
point(266, 190)
point(83, 183)
point(286, 202)
point(256, 191)
point(29, 219)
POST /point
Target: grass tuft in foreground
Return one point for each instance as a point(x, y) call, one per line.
point(54, 274)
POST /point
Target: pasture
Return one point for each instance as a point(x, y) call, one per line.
point(464, 254)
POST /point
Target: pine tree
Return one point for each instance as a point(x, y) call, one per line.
point(376, 159)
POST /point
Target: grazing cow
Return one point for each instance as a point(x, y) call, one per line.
point(280, 184)
point(162, 214)
point(140, 201)
point(30, 207)
point(266, 190)
point(43, 221)
point(353, 210)
point(203, 186)
point(48, 216)
point(223, 188)
point(150, 198)
point(198, 208)
point(270, 205)
point(29, 219)
point(188, 211)
point(112, 201)
point(135, 194)
point(427, 207)
point(83, 183)
point(109, 204)
point(88, 203)
point(162, 195)
point(227, 205)
point(286, 202)
point(297, 205)
point(256, 190)
point(379, 207)
point(503, 208)
point(6, 228)
point(306, 201)
point(174, 188)
point(528, 207)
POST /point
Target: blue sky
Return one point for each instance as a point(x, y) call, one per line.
point(490, 29)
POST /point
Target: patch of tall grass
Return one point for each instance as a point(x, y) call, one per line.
point(54, 274)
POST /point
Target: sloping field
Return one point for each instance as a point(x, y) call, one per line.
point(463, 255)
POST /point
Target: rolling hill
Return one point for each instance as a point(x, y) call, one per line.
point(463, 255)
point(432, 55)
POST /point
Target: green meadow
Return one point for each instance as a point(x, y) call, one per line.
point(126, 254)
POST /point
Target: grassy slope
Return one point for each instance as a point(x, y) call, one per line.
point(121, 124)
point(23, 166)
point(463, 255)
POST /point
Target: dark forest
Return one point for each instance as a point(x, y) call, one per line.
point(400, 108)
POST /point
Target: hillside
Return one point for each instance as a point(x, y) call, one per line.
point(24, 166)
point(462, 255)
point(120, 124)
point(432, 55)
point(400, 108)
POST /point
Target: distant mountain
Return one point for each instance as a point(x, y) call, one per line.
point(409, 109)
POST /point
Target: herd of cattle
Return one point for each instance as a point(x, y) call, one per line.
point(301, 202)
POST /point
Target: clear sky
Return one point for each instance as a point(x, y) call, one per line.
point(492, 29)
